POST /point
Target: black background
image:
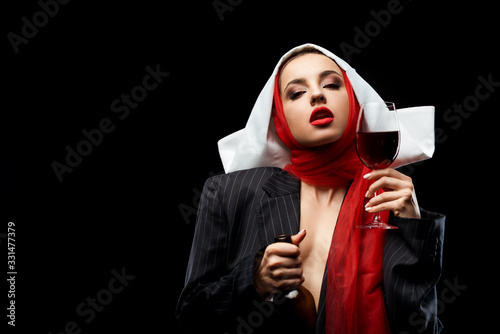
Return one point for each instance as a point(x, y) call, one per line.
point(128, 204)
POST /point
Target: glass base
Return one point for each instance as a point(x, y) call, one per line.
point(382, 226)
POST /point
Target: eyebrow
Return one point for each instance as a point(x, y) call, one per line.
point(322, 75)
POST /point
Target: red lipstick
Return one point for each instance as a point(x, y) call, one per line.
point(321, 116)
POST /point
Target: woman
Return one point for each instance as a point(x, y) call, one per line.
point(356, 281)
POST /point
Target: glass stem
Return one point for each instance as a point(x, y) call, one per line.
point(377, 218)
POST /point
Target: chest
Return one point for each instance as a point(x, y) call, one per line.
point(320, 224)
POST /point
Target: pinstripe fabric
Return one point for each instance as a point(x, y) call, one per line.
point(412, 267)
point(242, 212)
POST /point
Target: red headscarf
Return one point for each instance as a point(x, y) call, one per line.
point(354, 299)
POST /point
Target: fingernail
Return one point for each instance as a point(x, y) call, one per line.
point(367, 192)
point(366, 176)
point(368, 209)
point(302, 231)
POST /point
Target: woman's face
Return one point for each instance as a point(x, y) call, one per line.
point(315, 100)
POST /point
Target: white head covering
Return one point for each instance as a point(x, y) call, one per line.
point(257, 145)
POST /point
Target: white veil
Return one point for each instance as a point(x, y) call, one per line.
point(257, 145)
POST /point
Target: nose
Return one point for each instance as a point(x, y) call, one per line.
point(318, 98)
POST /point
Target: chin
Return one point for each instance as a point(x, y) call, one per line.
point(322, 140)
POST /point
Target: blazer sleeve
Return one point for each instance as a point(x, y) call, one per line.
point(412, 268)
point(213, 291)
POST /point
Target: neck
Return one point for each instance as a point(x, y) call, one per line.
point(323, 195)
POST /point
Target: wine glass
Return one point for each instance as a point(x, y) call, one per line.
point(377, 143)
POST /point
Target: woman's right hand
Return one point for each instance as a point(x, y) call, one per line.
point(280, 268)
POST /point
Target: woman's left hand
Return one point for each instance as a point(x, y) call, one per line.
point(398, 195)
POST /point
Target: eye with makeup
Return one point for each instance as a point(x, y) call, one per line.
point(294, 94)
point(333, 83)
point(332, 86)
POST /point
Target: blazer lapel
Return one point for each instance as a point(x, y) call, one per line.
point(280, 209)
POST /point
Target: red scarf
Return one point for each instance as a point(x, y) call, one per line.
point(354, 299)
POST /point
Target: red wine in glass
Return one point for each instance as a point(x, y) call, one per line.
point(377, 150)
point(377, 143)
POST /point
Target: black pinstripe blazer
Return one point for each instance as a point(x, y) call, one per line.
point(242, 212)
